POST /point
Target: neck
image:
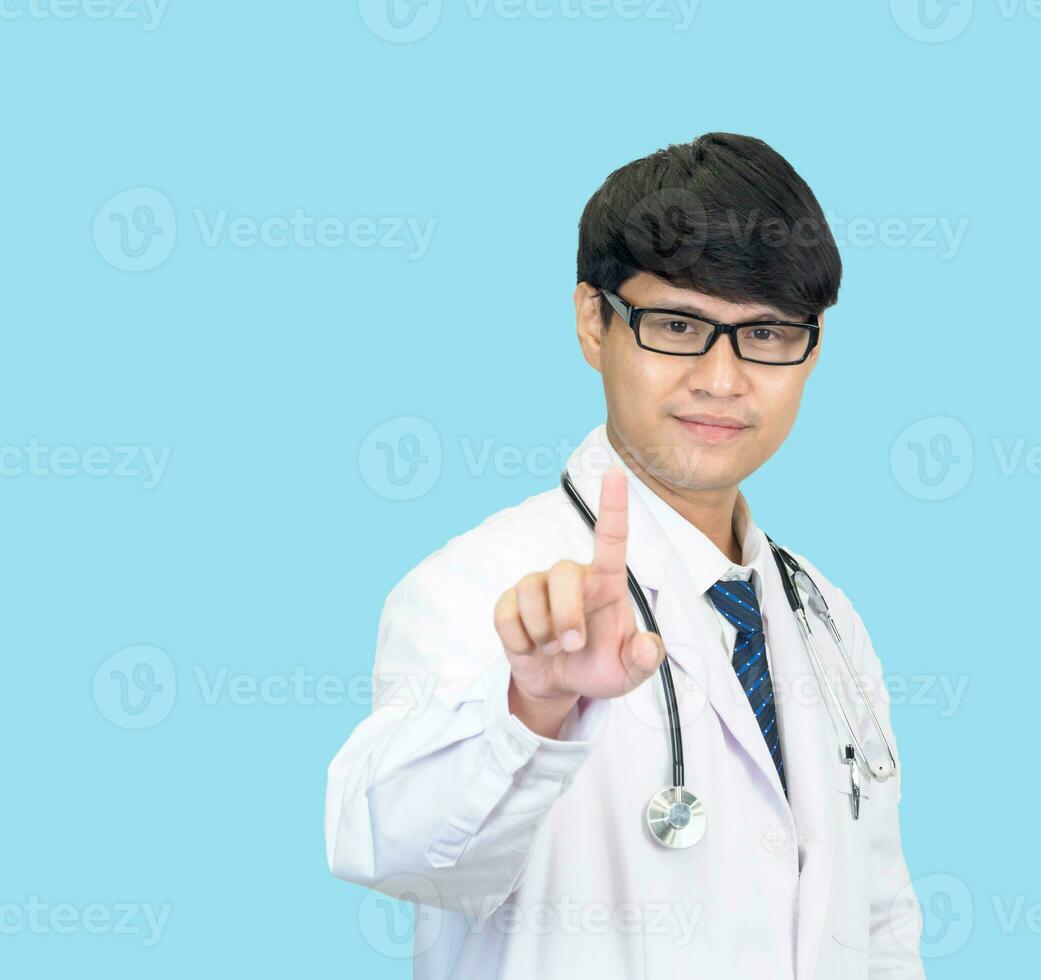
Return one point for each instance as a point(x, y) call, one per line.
point(710, 511)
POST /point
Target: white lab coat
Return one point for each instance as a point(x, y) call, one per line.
point(530, 857)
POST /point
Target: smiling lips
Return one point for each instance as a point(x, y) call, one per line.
point(712, 428)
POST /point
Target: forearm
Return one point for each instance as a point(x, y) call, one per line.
point(452, 797)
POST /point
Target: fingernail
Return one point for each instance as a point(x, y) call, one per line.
point(572, 640)
point(552, 647)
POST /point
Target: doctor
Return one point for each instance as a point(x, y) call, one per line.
point(508, 800)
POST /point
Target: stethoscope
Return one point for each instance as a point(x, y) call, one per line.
point(675, 816)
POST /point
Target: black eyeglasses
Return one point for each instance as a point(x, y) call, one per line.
point(686, 335)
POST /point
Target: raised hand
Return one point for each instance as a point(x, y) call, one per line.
point(571, 631)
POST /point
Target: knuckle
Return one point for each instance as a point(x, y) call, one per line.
point(566, 566)
point(531, 582)
point(505, 609)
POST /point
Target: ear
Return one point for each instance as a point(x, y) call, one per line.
point(588, 323)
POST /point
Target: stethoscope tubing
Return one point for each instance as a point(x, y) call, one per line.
point(650, 623)
point(791, 572)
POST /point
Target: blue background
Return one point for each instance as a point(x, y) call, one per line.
point(270, 540)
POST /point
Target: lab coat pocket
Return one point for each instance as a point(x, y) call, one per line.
point(851, 892)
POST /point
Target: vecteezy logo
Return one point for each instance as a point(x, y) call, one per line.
point(947, 914)
point(932, 459)
point(931, 20)
point(667, 230)
point(389, 926)
point(401, 458)
point(135, 687)
point(135, 231)
point(400, 21)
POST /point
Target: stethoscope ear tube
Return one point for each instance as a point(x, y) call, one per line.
point(786, 579)
point(792, 576)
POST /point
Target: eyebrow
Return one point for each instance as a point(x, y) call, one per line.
point(690, 308)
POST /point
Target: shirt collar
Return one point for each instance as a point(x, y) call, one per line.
point(704, 561)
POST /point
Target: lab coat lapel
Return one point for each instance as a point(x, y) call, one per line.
point(807, 739)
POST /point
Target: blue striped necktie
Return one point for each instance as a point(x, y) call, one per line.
point(737, 601)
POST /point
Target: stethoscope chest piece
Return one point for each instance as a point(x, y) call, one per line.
point(676, 817)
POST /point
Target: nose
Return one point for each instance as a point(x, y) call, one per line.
point(719, 371)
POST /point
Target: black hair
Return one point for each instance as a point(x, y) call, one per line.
point(725, 215)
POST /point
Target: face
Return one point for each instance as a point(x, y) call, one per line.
point(650, 394)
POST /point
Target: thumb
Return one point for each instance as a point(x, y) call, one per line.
point(641, 656)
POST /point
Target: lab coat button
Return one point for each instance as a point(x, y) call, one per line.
point(773, 837)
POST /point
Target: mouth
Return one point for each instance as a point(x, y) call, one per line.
point(712, 429)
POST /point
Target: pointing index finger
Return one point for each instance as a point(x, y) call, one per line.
point(612, 524)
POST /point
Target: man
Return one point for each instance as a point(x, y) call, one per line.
point(510, 804)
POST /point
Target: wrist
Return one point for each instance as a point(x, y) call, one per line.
point(542, 715)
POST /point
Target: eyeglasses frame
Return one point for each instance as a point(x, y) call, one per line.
point(633, 314)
